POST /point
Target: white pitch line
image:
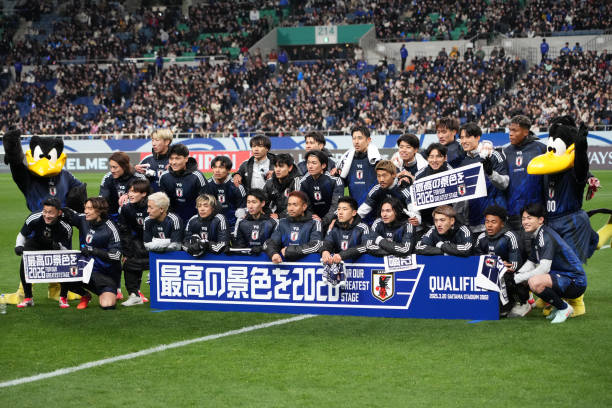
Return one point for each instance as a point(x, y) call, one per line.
point(162, 347)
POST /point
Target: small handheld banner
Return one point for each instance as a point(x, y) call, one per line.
point(396, 264)
point(451, 186)
point(438, 287)
point(55, 266)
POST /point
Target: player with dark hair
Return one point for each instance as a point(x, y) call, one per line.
point(254, 172)
point(553, 270)
point(407, 158)
point(391, 234)
point(253, 230)
point(163, 230)
point(297, 235)
point(42, 230)
point(435, 154)
point(99, 239)
point(231, 198)
point(182, 183)
point(447, 236)
point(115, 183)
point(322, 190)
point(447, 129)
point(156, 163)
point(347, 238)
point(315, 141)
point(207, 231)
point(131, 228)
point(284, 180)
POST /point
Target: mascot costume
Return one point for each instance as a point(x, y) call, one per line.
point(39, 174)
point(565, 168)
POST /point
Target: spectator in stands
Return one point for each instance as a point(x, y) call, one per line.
point(565, 50)
point(403, 56)
point(544, 49)
point(447, 236)
point(254, 172)
point(207, 231)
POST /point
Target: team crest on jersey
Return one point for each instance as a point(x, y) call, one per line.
point(519, 161)
point(161, 234)
point(74, 271)
point(140, 220)
point(89, 238)
point(52, 191)
point(490, 262)
point(179, 192)
point(47, 233)
point(359, 174)
point(344, 245)
point(317, 195)
point(461, 189)
point(254, 235)
point(286, 192)
point(382, 284)
point(551, 191)
point(204, 235)
point(294, 235)
point(222, 198)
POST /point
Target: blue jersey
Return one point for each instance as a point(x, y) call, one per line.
point(131, 219)
point(300, 235)
point(323, 195)
point(457, 241)
point(361, 177)
point(547, 244)
point(170, 228)
point(158, 163)
point(347, 240)
point(563, 193)
point(212, 229)
point(523, 188)
point(229, 197)
point(377, 194)
point(331, 164)
point(250, 232)
point(504, 244)
point(113, 188)
point(38, 189)
point(35, 228)
point(183, 188)
point(395, 238)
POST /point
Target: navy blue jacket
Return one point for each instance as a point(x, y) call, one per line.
point(377, 194)
point(183, 188)
point(301, 236)
point(48, 236)
point(131, 228)
point(547, 244)
point(212, 229)
point(323, 195)
point(229, 197)
point(113, 188)
point(170, 228)
point(361, 177)
point(563, 192)
point(37, 189)
point(347, 239)
point(454, 154)
point(158, 164)
point(250, 232)
point(504, 244)
point(395, 238)
point(457, 241)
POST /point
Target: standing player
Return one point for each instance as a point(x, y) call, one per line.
point(182, 182)
point(447, 236)
point(230, 197)
point(391, 234)
point(253, 230)
point(322, 190)
point(407, 158)
point(163, 230)
point(552, 271)
point(207, 230)
point(115, 183)
point(347, 239)
point(315, 141)
point(156, 163)
point(254, 172)
point(436, 163)
point(286, 178)
point(446, 130)
point(297, 235)
point(42, 230)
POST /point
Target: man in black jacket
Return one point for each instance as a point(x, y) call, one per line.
point(447, 236)
point(284, 180)
point(254, 172)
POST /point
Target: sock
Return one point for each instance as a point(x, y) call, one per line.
point(108, 307)
point(551, 297)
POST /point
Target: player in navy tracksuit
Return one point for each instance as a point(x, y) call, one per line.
point(408, 159)
point(498, 240)
point(436, 163)
point(494, 168)
point(231, 198)
point(42, 230)
point(446, 130)
point(131, 229)
point(522, 188)
point(285, 179)
point(156, 163)
point(347, 238)
point(323, 190)
point(115, 183)
point(552, 271)
point(447, 236)
point(182, 183)
point(163, 230)
point(391, 234)
point(252, 231)
point(315, 141)
point(297, 235)
point(207, 231)
point(98, 239)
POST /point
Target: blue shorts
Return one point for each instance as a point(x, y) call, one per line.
point(575, 229)
point(566, 286)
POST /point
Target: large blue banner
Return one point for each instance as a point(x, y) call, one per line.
point(439, 287)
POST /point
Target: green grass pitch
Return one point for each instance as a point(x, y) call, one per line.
point(317, 362)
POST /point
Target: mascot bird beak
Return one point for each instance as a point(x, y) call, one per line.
point(550, 163)
point(45, 167)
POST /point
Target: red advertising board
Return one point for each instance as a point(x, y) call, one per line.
point(205, 157)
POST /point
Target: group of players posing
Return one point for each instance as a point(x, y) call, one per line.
point(290, 210)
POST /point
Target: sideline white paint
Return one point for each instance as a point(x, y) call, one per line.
point(162, 347)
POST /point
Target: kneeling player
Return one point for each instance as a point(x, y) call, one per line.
point(346, 238)
point(297, 235)
point(553, 270)
point(163, 230)
point(207, 230)
point(447, 236)
point(252, 231)
point(391, 234)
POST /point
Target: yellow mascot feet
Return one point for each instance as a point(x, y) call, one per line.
point(578, 305)
point(54, 293)
point(605, 234)
point(15, 298)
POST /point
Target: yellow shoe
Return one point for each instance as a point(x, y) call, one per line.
point(578, 305)
point(547, 310)
point(15, 298)
point(605, 234)
point(73, 296)
point(540, 304)
point(54, 291)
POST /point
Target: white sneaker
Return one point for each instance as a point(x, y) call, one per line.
point(520, 310)
point(133, 300)
point(562, 315)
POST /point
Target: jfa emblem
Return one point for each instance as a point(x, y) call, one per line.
point(161, 235)
point(140, 220)
point(89, 238)
point(461, 189)
point(317, 195)
point(383, 285)
point(286, 192)
point(490, 262)
point(294, 235)
point(551, 191)
point(359, 174)
point(204, 235)
point(222, 198)
point(344, 245)
point(519, 161)
point(179, 192)
point(254, 234)
point(52, 190)
point(74, 271)
point(47, 233)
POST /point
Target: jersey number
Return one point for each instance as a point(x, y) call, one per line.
point(551, 206)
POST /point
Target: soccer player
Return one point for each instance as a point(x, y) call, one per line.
point(297, 235)
point(182, 182)
point(163, 230)
point(447, 236)
point(131, 228)
point(99, 239)
point(496, 176)
point(254, 172)
point(156, 163)
point(388, 186)
point(286, 178)
point(315, 141)
point(115, 183)
point(347, 238)
point(407, 158)
point(230, 197)
point(42, 230)
point(523, 188)
point(436, 163)
point(447, 129)
point(206, 231)
point(552, 271)
point(322, 190)
point(253, 230)
point(391, 234)
point(357, 165)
